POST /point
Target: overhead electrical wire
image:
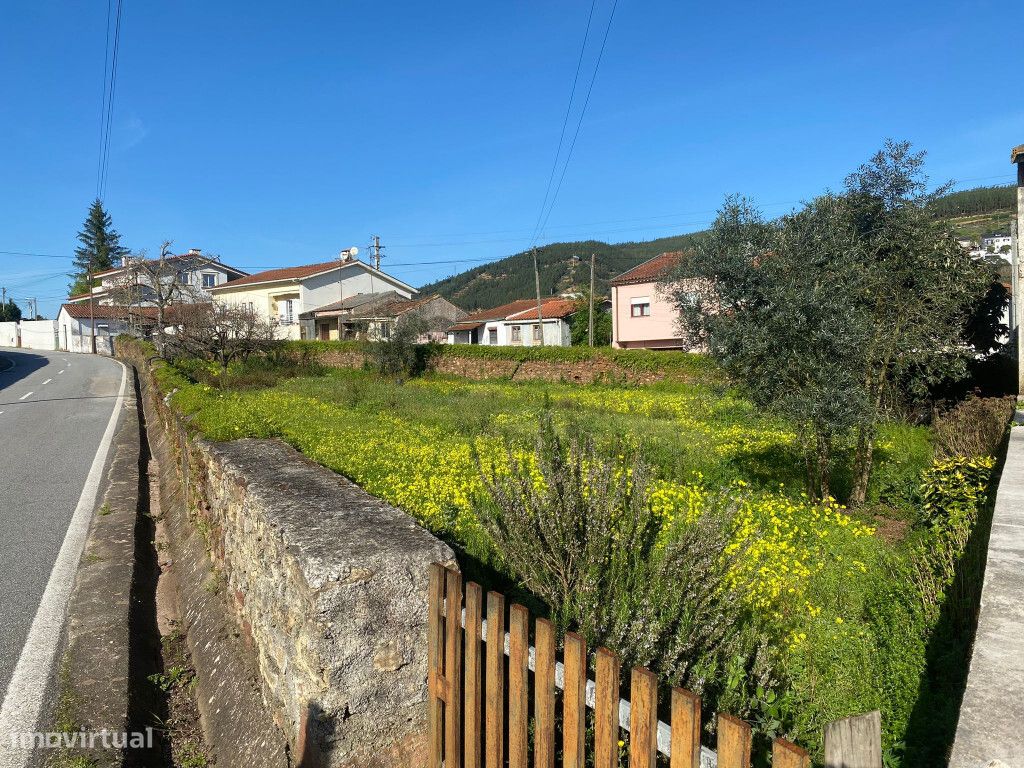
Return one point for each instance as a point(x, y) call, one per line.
point(109, 91)
point(565, 120)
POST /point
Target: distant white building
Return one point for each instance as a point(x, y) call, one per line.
point(996, 242)
point(516, 325)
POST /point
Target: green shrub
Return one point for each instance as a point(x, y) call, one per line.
point(974, 427)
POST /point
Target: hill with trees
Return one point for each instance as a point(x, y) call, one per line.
point(565, 266)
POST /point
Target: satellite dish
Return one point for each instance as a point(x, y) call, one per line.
point(353, 251)
point(348, 253)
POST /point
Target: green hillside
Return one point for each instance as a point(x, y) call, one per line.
point(970, 213)
point(512, 277)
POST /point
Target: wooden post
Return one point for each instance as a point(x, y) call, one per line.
point(495, 715)
point(734, 740)
point(544, 696)
point(518, 686)
point(788, 755)
point(643, 719)
point(574, 722)
point(473, 676)
point(685, 729)
point(606, 710)
point(435, 650)
point(854, 742)
point(453, 668)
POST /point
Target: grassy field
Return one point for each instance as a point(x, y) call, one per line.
point(841, 601)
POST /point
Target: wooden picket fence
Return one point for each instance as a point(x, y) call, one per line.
point(470, 694)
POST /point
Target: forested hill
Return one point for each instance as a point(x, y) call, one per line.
point(970, 212)
point(511, 278)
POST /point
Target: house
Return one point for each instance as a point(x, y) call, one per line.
point(642, 315)
point(196, 275)
point(282, 296)
point(79, 324)
point(996, 243)
point(373, 316)
point(516, 324)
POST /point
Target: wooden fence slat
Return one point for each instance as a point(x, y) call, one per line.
point(854, 742)
point(518, 686)
point(495, 714)
point(544, 695)
point(574, 703)
point(643, 719)
point(606, 710)
point(685, 729)
point(473, 676)
point(785, 754)
point(453, 669)
point(734, 738)
point(435, 649)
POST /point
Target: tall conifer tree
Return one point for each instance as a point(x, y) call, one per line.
point(100, 248)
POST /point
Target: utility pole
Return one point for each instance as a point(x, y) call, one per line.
point(540, 312)
point(376, 246)
point(92, 317)
point(590, 318)
point(1017, 156)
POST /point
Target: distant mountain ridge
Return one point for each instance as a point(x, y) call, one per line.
point(510, 278)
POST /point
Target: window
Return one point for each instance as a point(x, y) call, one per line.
point(640, 307)
point(288, 312)
point(517, 334)
point(492, 336)
point(536, 332)
point(209, 279)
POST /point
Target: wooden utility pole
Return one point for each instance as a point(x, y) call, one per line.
point(590, 319)
point(1017, 301)
point(92, 317)
point(540, 313)
point(376, 251)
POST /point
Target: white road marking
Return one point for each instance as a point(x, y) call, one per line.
point(60, 371)
point(27, 394)
point(20, 710)
point(47, 382)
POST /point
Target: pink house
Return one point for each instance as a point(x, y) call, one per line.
point(642, 316)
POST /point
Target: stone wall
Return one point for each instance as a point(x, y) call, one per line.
point(326, 586)
point(481, 368)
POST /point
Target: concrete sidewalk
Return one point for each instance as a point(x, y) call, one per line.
point(991, 727)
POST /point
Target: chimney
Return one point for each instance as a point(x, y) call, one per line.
point(194, 251)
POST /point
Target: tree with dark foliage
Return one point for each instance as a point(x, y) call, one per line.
point(100, 248)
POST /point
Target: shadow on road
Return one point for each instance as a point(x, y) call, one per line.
point(16, 364)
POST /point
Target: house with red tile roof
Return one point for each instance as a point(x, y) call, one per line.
point(518, 324)
point(642, 315)
point(196, 274)
point(286, 296)
point(374, 316)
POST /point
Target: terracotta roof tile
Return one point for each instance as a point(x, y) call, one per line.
point(650, 270)
point(550, 308)
point(285, 273)
point(106, 311)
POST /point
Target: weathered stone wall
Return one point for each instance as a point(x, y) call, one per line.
point(481, 368)
point(327, 588)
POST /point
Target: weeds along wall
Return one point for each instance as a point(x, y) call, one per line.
point(583, 365)
point(325, 584)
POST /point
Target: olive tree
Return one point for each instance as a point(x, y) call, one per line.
point(830, 315)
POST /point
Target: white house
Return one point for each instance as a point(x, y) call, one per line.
point(282, 295)
point(516, 325)
point(78, 325)
point(196, 274)
point(994, 243)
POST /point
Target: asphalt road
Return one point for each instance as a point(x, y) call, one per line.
point(54, 410)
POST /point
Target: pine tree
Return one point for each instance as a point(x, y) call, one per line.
point(100, 248)
point(10, 312)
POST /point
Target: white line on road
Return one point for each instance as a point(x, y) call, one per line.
point(27, 394)
point(60, 371)
point(23, 702)
point(47, 382)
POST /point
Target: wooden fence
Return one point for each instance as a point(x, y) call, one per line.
point(478, 712)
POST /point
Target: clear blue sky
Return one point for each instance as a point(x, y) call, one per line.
point(280, 133)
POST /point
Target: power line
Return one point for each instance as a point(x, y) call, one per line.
point(103, 103)
point(579, 123)
point(105, 149)
point(565, 120)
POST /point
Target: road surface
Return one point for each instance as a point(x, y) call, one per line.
point(57, 413)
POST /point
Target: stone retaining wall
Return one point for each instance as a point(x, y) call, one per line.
point(326, 586)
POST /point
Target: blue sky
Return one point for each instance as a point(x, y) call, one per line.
point(280, 133)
